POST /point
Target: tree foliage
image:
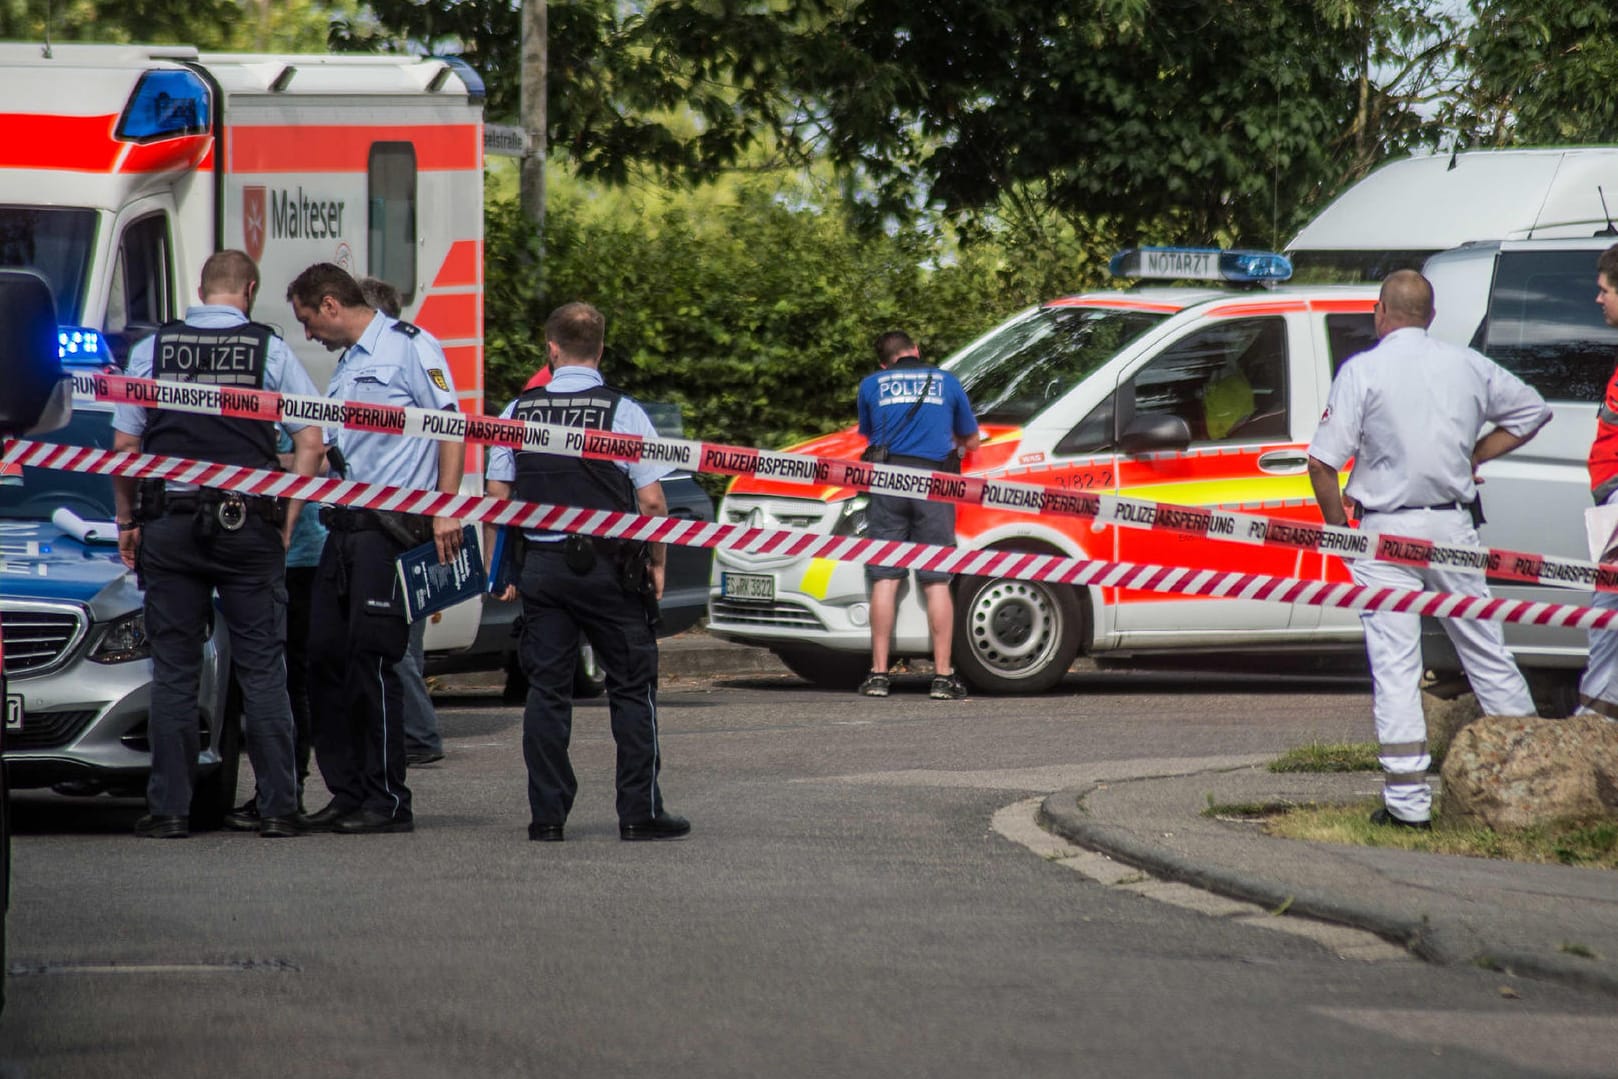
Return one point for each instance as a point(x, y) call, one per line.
point(256, 25)
point(1540, 73)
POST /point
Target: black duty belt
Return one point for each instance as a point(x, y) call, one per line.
point(409, 529)
point(602, 544)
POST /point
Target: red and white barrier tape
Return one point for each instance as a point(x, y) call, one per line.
point(1223, 525)
point(1015, 564)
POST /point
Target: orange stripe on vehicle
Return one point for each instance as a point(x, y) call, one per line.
point(347, 147)
point(451, 316)
point(462, 266)
point(1354, 305)
point(1266, 307)
point(466, 368)
point(1115, 302)
point(69, 143)
point(178, 155)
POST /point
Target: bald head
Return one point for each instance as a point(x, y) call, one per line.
point(1406, 300)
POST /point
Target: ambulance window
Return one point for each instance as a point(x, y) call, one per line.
point(1228, 382)
point(55, 242)
point(391, 252)
point(139, 300)
point(1094, 433)
point(1349, 335)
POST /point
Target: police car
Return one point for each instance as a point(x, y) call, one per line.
point(77, 662)
point(1198, 395)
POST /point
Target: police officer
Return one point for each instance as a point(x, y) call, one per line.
point(1598, 688)
point(917, 415)
point(606, 589)
point(357, 629)
point(187, 542)
point(1410, 412)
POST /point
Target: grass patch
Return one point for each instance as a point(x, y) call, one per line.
point(1592, 844)
point(1328, 757)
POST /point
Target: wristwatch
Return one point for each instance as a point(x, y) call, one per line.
point(128, 526)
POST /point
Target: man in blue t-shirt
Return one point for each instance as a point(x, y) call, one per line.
point(919, 415)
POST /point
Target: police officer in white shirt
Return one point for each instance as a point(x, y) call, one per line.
point(188, 542)
point(1411, 414)
point(357, 629)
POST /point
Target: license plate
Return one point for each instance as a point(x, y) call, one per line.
point(13, 712)
point(748, 587)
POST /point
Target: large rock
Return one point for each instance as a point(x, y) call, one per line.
point(1511, 772)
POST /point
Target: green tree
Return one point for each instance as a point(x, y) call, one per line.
point(1539, 74)
point(224, 25)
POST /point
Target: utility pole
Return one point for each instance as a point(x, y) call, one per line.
point(532, 106)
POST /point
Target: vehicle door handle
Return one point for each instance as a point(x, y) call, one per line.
point(1283, 462)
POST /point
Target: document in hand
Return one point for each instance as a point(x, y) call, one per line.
point(432, 586)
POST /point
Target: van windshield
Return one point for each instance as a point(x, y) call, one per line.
point(57, 243)
point(1014, 373)
point(1545, 327)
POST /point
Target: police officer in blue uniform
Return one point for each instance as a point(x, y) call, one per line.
point(358, 631)
point(916, 415)
point(606, 589)
point(187, 543)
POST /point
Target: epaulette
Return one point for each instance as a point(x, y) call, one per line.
point(407, 328)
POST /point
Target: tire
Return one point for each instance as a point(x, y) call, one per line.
point(215, 795)
point(1015, 636)
point(825, 668)
point(589, 680)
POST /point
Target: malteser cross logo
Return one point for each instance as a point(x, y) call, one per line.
point(253, 221)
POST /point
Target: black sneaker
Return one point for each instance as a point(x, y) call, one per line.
point(244, 818)
point(947, 687)
point(875, 685)
point(1383, 819)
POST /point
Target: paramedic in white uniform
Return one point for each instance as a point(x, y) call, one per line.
point(1411, 414)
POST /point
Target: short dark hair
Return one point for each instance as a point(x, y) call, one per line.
point(381, 295)
point(893, 344)
point(577, 329)
point(228, 271)
point(1607, 266)
point(326, 279)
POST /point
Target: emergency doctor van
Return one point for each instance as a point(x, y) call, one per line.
point(1193, 395)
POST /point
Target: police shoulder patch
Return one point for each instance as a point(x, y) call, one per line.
point(438, 377)
point(407, 328)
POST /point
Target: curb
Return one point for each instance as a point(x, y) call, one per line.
point(1062, 814)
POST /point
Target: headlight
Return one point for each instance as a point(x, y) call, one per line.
point(123, 640)
point(851, 518)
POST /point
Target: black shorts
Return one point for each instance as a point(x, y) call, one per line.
point(888, 517)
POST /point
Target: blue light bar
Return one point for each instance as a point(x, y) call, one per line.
point(1200, 264)
point(166, 103)
point(81, 346)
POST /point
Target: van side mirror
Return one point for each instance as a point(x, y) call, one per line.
point(1150, 431)
point(38, 397)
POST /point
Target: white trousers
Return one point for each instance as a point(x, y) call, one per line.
point(1393, 646)
point(1598, 688)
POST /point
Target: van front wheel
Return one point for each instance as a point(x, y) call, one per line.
point(1015, 636)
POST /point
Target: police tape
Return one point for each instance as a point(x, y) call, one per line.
point(1216, 524)
point(1020, 565)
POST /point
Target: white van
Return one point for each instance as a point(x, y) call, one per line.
point(1509, 239)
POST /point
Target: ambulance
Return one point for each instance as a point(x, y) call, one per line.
point(122, 168)
point(1198, 395)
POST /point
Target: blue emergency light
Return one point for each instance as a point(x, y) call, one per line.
point(81, 346)
point(167, 102)
point(1200, 264)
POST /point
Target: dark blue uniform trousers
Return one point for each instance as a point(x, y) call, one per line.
point(557, 605)
point(181, 572)
point(357, 632)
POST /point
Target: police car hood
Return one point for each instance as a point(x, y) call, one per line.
point(40, 561)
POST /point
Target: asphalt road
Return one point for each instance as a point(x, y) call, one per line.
point(843, 908)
